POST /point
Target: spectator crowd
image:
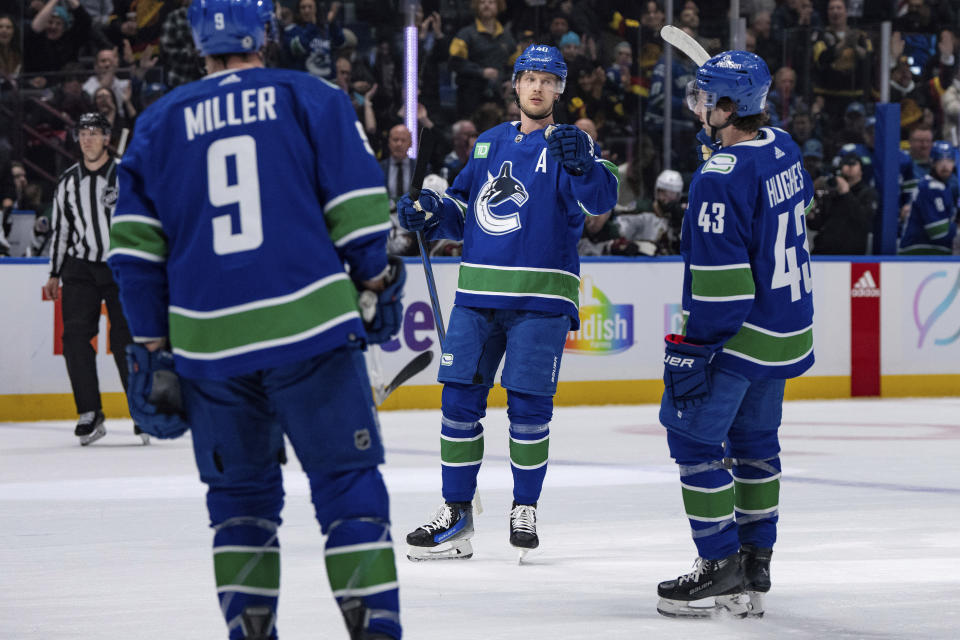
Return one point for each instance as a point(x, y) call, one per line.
point(63, 58)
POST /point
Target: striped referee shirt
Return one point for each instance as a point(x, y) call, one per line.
point(82, 207)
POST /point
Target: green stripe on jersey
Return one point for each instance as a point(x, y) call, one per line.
point(248, 568)
point(494, 280)
point(721, 283)
point(704, 505)
point(937, 229)
point(353, 214)
point(529, 454)
point(764, 348)
point(366, 569)
point(612, 168)
point(461, 451)
point(757, 496)
point(925, 250)
point(138, 236)
point(267, 322)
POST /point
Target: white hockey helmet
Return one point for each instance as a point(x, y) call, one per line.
point(670, 180)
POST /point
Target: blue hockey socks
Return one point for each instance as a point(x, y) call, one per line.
point(708, 496)
point(529, 448)
point(246, 562)
point(461, 452)
point(363, 576)
point(530, 417)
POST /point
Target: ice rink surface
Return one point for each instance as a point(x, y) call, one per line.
point(110, 542)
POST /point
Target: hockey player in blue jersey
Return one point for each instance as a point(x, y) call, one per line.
point(519, 206)
point(747, 301)
point(931, 224)
point(242, 197)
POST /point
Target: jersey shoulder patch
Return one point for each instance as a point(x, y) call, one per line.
point(720, 162)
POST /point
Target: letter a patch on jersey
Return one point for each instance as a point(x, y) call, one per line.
point(720, 163)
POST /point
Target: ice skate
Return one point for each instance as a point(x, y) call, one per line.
point(446, 537)
point(756, 574)
point(523, 529)
point(90, 427)
point(717, 582)
point(144, 437)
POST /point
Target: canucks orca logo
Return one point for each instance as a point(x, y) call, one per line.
point(498, 192)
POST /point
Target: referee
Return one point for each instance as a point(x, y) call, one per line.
point(84, 200)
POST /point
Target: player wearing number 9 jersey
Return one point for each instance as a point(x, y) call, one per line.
point(747, 303)
point(242, 197)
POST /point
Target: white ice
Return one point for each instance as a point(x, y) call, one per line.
point(110, 542)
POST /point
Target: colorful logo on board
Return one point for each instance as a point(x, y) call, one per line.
point(605, 328)
point(926, 319)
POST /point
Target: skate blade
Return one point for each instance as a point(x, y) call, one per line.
point(460, 550)
point(144, 438)
point(735, 605)
point(523, 556)
point(755, 608)
point(93, 436)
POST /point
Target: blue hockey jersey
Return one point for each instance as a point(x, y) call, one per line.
point(747, 287)
point(931, 225)
point(241, 197)
point(520, 216)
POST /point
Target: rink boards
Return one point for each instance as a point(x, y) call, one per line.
point(889, 328)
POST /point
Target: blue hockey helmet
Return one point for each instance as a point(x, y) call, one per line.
point(739, 75)
point(542, 57)
point(942, 150)
point(229, 26)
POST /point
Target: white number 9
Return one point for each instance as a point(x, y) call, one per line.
point(245, 193)
point(218, 22)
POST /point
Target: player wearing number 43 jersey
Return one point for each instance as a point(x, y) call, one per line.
point(747, 302)
point(242, 197)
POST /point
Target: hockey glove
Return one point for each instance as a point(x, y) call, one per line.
point(422, 219)
point(153, 392)
point(571, 147)
point(382, 312)
point(686, 371)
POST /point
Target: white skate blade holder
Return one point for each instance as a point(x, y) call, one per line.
point(456, 550)
point(736, 605)
point(522, 554)
point(755, 609)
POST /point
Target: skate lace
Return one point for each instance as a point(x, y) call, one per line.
point(441, 520)
point(699, 566)
point(87, 417)
point(523, 517)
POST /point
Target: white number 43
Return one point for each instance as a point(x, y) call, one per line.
point(712, 224)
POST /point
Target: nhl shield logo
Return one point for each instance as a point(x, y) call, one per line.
point(361, 439)
point(109, 197)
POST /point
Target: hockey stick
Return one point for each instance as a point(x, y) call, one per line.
point(368, 308)
point(416, 184)
point(685, 43)
point(413, 367)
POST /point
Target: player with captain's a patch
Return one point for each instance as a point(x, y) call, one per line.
point(748, 309)
point(519, 206)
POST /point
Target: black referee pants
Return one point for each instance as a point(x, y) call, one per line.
point(85, 285)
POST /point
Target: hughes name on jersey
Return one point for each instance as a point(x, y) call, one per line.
point(520, 216)
point(747, 286)
point(272, 167)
